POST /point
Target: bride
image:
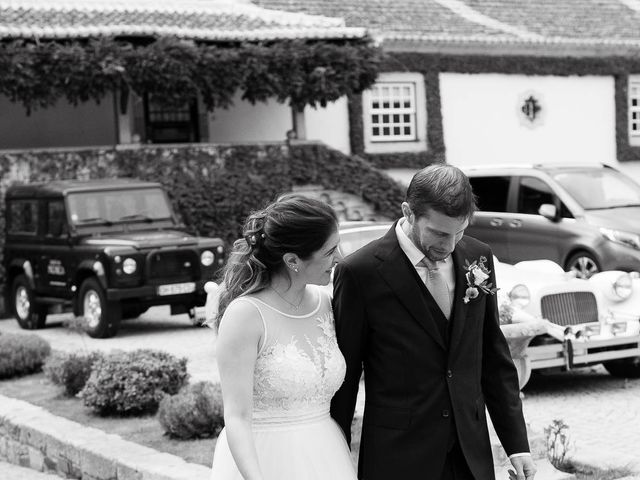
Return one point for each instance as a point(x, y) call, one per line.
point(277, 354)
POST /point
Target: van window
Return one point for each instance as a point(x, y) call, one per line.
point(533, 192)
point(492, 192)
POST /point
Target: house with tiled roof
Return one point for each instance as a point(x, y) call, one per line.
point(116, 103)
point(487, 81)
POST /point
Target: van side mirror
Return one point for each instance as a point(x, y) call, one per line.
point(549, 212)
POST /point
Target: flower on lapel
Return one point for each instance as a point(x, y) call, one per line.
point(477, 276)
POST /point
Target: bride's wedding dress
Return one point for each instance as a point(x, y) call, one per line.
point(298, 369)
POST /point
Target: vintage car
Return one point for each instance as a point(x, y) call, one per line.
point(105, 249)
point(551, 318)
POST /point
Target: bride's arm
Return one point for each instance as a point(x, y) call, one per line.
point(239, 336)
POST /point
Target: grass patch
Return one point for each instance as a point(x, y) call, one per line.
point(146, 430)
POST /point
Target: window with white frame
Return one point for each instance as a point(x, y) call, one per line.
point(634, 109)
point(392, 111)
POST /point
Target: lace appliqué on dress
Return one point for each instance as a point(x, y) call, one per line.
point(288, 380)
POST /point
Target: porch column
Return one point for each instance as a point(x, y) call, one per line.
point(299, 124)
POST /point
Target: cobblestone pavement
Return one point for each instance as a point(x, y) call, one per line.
point(602, 412)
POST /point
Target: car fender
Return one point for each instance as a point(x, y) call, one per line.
point(97, 269)
point(24, 266)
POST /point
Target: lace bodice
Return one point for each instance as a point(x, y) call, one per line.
point(299, 366)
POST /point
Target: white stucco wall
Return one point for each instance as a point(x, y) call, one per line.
point(60, 126)
point(243, 122)
point(330, 125)
point(483, 123)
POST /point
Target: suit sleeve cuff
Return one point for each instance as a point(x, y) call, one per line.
point(523, 454)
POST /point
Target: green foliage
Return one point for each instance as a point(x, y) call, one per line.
point(174, 71)
point(132, 383)
point(21, 354)
point(70, 370)
point(194, 412)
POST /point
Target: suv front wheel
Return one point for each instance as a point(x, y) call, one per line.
point(101, 317)
point(28, 313)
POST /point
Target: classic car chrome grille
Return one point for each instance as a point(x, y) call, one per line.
point(172, 265)
point(570, 308)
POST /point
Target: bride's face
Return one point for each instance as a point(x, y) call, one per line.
point(317, 268)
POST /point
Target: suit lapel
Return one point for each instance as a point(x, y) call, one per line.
point(459, 310)
point(395, 269)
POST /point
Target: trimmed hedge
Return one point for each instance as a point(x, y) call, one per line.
point(70, 370)
point(194, 412)
point(22, 354)
point(133, 383)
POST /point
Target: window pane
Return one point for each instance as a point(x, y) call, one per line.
point(533, 193)
point(23, 216)
point(385, 131)
point(375, 118)
point(376, 131)
point(56, 219)
point(492, 193)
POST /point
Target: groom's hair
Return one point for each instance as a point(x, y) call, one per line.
point(443, 188)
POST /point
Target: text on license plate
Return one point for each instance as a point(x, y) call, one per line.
point(176, 288)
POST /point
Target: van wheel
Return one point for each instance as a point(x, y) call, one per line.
point(624, 367)
point(583, 264)
point(28, 313)
point(101, 318)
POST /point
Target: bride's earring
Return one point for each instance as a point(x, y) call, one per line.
point(293, 267)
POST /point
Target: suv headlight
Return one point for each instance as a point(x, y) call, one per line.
point(623, 238)
point(623, 286)
point(520, 295)
point(206, 258)
point(129, 266)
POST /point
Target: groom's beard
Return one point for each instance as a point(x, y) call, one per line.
point(433, 254)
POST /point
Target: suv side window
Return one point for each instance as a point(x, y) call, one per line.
point(56, 219)
point(23, 217)
point(492, 192)
point(533, 192)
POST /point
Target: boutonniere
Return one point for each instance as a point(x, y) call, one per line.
point(477, 276)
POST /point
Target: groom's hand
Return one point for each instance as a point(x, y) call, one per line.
point(525, 469)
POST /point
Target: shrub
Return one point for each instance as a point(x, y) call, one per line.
point(21, 354)
point(195, 412)
point(70, 370)
point(131, 383)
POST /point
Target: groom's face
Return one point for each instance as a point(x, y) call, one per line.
point(434, 233)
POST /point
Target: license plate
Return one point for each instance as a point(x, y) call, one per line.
point(176, 288)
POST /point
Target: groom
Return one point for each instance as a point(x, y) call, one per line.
point(429, 340)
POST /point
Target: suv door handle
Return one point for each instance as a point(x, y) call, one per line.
point(515, 223)
point(495, 222)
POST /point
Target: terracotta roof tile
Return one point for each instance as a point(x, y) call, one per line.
point(586, 23)
point(198, 19)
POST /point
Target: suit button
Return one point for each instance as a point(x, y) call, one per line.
point(445, 413)
point(449, 374)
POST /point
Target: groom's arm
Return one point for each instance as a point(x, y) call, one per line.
point(500, 380)
point(349, 313)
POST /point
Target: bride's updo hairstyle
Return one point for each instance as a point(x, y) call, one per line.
point(291, 224)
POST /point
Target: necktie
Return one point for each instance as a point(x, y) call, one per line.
point(437, 286)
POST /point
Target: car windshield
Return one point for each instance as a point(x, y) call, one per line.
point(352, 240)
point(113, 206)
point(600, 189)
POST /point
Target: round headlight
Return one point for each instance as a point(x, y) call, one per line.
point(206, 258)
point(520, 295)
point(220, 249)
point(623, 286)
point(129, 266)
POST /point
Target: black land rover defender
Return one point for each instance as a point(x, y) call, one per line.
point(106, 249)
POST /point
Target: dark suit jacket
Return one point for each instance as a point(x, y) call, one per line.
point(426, 381)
